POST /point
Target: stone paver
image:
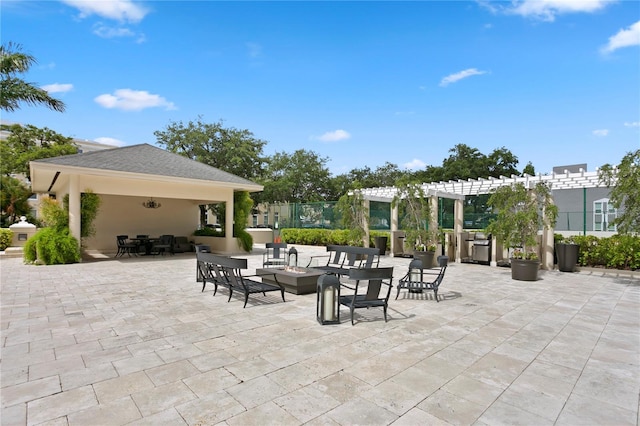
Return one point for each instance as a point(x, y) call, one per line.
point(134, 341)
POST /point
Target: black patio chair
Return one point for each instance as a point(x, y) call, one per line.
point(126, 246)
point(372, 289)
point(163, 245)
point(417, 280)
point(276, 255)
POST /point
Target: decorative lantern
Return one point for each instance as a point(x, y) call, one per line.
point(293, 257)
point(328, 296)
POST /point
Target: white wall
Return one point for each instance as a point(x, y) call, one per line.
point(126, 215)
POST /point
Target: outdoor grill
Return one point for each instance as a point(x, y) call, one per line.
point(481, 248)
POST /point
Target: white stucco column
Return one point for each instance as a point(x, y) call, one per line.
point(228, 220)
point(458, 219)
point(74, 207)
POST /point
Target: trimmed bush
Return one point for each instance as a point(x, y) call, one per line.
point(52, 246)
point(323, 237)
point(618, 251)
point(208, 232)
point(6, 236)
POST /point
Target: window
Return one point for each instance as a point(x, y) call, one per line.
point(265, 219)
point(276, 219)
point(255, 220)
point(603, 216)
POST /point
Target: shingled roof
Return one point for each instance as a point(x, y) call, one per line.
point(147, 159)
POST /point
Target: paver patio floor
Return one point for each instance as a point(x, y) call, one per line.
point(134, 341)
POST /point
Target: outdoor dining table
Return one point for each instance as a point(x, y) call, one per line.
point(147, 242)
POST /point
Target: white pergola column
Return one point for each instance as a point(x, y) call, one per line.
point(458, 219)
point(394, 226)
point(433, 218)
point(367, 205)
point(74, 207)
point(546, 248)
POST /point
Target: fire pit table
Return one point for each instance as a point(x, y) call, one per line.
point(294, 279)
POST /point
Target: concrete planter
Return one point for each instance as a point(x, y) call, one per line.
point(426, 257)
point(524, 270)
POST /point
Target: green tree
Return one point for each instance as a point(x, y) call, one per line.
point(28, 143)
point(625, 192)
point(382, 176)
point(353, 216)
point(229, 149)
point(521, 212)
point(14, 202)
point(301, 176)
point(414, 211)
point(14, 90)
point(529, 169)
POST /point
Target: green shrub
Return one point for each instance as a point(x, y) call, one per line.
point(618, 251)
point(245, 240)
point(323, 237)
point(52, 246)
point(242, 204)
point(6, 236)
point(208, 232)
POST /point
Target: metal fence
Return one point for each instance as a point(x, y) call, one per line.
point(323, 215)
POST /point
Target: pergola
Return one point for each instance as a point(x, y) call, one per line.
point(459, 189)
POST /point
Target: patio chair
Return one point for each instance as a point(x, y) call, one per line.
point(126, 246)
point(372, 289)
point(417, 280)
point(163, 245)
point(276, 255)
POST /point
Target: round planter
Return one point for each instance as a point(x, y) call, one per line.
point(567, 256)
point(524, 270)
point(426, 257)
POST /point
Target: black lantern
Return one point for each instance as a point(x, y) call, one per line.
point(328, 295)
point(293, 257)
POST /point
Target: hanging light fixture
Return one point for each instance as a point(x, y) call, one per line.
point(151, 204)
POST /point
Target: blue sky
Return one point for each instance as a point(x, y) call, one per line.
point(556, 81)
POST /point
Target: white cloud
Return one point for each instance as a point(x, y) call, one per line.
point(105, 31)
point(119, 10)
point(624, 38)
point(133, 100)
point(414, 164)
point(335, 136)
point(452, 78)
point(547, 10)
point(57, 88)
point(600, 132)
point(632, 124)
point(110, 141)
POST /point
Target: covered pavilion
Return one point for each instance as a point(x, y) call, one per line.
point(459, 189)
point(132, 182)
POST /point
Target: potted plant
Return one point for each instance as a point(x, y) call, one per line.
point(567, 252)
point(521, 213)
point(415, 212)
point(353, 216)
